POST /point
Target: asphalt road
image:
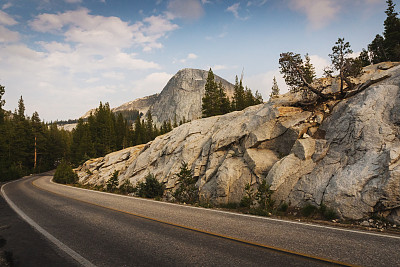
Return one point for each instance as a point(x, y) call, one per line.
point(111, 230)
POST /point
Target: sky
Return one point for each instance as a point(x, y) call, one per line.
point(65, 56)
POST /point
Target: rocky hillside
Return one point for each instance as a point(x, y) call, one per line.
point(345, 154)
point(181, 98)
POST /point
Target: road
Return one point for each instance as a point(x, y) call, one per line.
point(101, 229)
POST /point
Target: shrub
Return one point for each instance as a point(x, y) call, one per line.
point(127, 187)
point(150, 188)
point(187, 191)
point(248, 198)
point(264, 196)
point(113, 182)
point(283, 207)
point(327, 213)
point(308, 210)
point(64, 174)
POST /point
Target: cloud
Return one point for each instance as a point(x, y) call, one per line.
point(7, 36)
point(152, 83)
point(319, 13)
point(186, 9)
point(256, 3)
point(91, 61)
point(190, 56)
point(235, 11)
point(73, 1)
point(7, 5)
point(101, 32)
point(319, 64)
point(6, 19)
point(263, 83)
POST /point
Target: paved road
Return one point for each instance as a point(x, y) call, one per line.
point(112, 230)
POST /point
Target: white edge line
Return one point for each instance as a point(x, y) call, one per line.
point(235, 214)
point(76, 256)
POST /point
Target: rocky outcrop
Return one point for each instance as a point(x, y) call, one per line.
point(345, 154)
point(181, 98)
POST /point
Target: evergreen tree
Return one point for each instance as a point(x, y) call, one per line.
point(210, 99)
point(295, 73)
point(364, 58)
point(377, 50)
point(21, 109)
point(224, 103)
point(392, 33)
point(149, 129)
point(339, 55)
point(238, 102)
point(187, 191)
point(309, 70)
point(275, 89)
point(2, 103)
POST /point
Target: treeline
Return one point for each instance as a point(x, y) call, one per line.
point(216, 102)
point(386, 47)
point(28, 145)
point(105, 132)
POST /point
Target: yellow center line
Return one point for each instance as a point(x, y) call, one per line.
point(282, 250)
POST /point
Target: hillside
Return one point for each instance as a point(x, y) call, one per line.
point(180, 99)
point(344, 153)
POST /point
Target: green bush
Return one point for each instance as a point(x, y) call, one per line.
point(327, 213)
point(187, 191)
point(308, 210)
point(283, 207)
point(248, 198)
point(113, 182)
point(264, 196)
point(126, 187)
point(64, 174)
point(150, 188)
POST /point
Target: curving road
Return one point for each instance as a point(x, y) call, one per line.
point(101, 229)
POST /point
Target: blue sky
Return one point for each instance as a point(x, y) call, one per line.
point(65, 56)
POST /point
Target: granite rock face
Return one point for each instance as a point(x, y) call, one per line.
point(181, 98)
point(345, 154)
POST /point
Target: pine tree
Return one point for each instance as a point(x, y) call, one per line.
point(364, 58)
point(275, 89)
point(225, 105)
point(238, 102)
point(392, 33)
point(309, 70)
point(340, 52)
point(210, 99)
point(2, 103)
point(377, 50)
point(149, 129)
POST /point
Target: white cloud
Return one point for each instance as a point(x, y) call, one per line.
point(263, 83)
point(6, 19)
point(319, 64)
point(319, 13)
point(186, 9)
point(92, 61)
point(7, 36)
point(105, 32)
point(7, 5)
point(235, 11)
point(152, 83)
point(190, 56)
point(73, 1)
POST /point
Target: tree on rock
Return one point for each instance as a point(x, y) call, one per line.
point(344, 64)
point(392, 33)
point(297, 74)
point(275, 89)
